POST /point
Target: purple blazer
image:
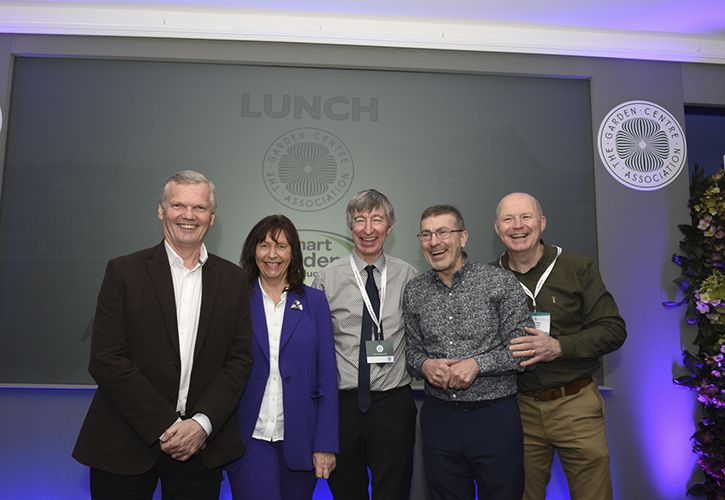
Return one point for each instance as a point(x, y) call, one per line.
point(309, 376)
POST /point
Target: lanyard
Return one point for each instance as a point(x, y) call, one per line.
point(366, 299)
point(542, 279)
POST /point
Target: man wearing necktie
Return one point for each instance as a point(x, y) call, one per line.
point(377, 410)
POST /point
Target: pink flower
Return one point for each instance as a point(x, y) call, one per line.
point(704, 223)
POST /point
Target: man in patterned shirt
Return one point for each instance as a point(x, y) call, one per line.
point(377, 409)
point(460, 317)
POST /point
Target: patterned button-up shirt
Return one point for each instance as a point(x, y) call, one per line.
point(475, 318)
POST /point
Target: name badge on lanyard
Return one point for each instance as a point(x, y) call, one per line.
point(378, 350)
point(542, 320)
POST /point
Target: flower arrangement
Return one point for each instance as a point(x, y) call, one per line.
point(702, 283)
point(711, 298)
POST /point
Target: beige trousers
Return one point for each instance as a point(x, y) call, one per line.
point(573, 426)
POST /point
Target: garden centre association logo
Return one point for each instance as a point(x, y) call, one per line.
point(307, 169)
point(642, 145)
point(319, 248)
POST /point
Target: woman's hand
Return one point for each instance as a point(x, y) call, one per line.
point(324, 463)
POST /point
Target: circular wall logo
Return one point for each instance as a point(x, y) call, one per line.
point(642, 145)
point(307, 169)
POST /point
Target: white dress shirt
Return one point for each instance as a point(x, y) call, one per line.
point(187, 294)
point(270, 422)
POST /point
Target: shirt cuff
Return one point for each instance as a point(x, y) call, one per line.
point(204, 421)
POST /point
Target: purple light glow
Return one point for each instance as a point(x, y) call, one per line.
point(664, 16)
point(666, 422)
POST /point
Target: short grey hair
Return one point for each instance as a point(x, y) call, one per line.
point(367, 201)
point(444, 209)
point(189, 177)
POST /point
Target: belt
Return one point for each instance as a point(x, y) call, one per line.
point(353, 392)
point(467, 405)
point(559, 392)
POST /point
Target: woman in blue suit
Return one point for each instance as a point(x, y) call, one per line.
point(288, 413)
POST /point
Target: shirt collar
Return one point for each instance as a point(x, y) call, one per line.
point(546, 257)
point(175, 260)
point(461, 273)
point(361, 264)
point(457, 276)
point(264, 294)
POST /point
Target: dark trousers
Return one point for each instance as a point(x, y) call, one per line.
point(382, 439)
point(179, 481)
point(464, 447)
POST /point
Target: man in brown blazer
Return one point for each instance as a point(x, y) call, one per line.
point(170, 352)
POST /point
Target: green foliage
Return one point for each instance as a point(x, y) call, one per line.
point(702, 283)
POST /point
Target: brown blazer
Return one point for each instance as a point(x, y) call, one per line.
point(135, 362)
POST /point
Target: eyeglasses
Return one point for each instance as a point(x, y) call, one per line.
point(441, 234)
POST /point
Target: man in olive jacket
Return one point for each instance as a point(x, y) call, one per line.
point(577, 322)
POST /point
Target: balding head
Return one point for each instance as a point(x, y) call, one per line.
point(519, 223)
point(518, 199)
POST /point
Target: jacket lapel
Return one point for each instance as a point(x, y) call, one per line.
point(259, 320)
point(158, 267)
point(292, 317)
point(209, 290)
